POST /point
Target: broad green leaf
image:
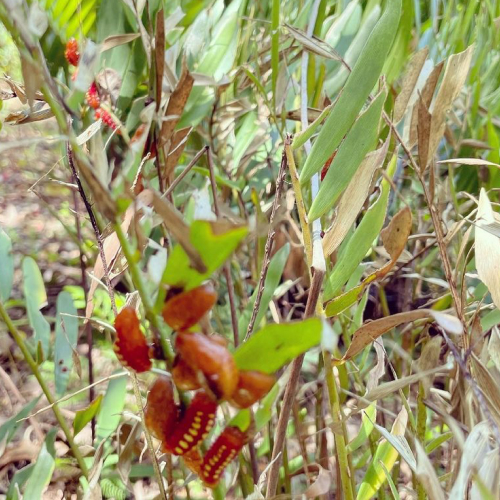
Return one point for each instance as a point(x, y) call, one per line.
point(66, 339)
point(214, 245)
point(265, 411)
point(242, 420)
point(368, 418)
point(36, 297)
point(244, 137)
point(386, 453)
point(111, 407)
point(360, 83)
point(360, 242)
point(359, 141)
point(9, 428)
point(273, 278)
point(6, 265)
point(83, 417)
point(278, 344)
point(44, 467)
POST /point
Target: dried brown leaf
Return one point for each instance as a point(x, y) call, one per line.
point(321, 484)
point(353, 199)
point(427, 475)
point(113, 41)
point(428, 360)
point(176, 148)
point(179, 229)
point(409, 82)
point(159, 54)
point(370, 331)
point(176, 105)
point(488, 386)
point(454, 77)
point(395, 235)
point(487, 248)
point(313, 44)
point(423, 133)
point(469, 161)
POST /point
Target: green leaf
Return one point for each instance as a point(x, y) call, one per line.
point(369, 416)
point(272, 280)
point(44, 467)
point(19, 479)
point(83, 417)
point(111, 407)
point(9, 428)
point(214, 247)
point(264, 413)
point(36, 297)
point(6, 265)
point(360, 83)
point(278, 344)
point(242, 420)
point(360, 242)
point(66, 339)
point(359, 141)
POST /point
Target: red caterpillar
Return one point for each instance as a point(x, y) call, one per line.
point(161, 411)
point(194, 425)
point(184, 310)
point(221, 453)
point(130, 345)
point(106, 118)
point(92, 96)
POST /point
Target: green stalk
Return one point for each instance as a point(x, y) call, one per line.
point(421, 429)
point(18, 338)
point(346, 476)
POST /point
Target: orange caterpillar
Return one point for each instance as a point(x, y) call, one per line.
point(130, 345)
point(161, 412)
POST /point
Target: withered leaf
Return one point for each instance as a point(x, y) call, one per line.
point(113, 41)
point(395, 235)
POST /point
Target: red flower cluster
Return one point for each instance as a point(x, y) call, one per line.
point(92, 96)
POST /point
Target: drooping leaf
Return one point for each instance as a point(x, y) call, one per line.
point(9, 428)
point(83, 417)
point(214, 242)
point(65, 342)
point(278, 344)
point(6, 265)
point(36, 297)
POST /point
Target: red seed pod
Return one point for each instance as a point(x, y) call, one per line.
point(106, 118)
point(194, 425)
point(185, 378)
point(187, 308)
point(212, 359)
point(221, 453)
point(130, 345)
point(92, 97)
point(252, 387)
point(161, 410)
point(71, 53)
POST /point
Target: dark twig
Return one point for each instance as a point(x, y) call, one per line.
point(95, 227)
point(280, 181)
point(87, 329)
point(183, 174)
point(226, 268)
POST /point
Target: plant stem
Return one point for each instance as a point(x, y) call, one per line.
point(18, 338)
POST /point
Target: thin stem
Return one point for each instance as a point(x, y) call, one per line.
point(280, 181)
point(16, 334)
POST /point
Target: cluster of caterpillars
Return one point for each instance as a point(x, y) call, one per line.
point(202, 364)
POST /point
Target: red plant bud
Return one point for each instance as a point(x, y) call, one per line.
point(130, 345)
point(194, 425)
point(161, 411)
point(71, 53)
point(187, 308)
point(92, 97)
point(221, 453)
point(212, 359)
point(252, 387)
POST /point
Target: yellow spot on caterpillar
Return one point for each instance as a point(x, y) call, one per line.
point(179, 451)
point(188, 438)
point(207, 467)
point(211, 415)
point(193, 432)
point(196, 426)
point(184, 444)
point(199, 413)
point(206, 474)
point(197, 419)
point(210, 422)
